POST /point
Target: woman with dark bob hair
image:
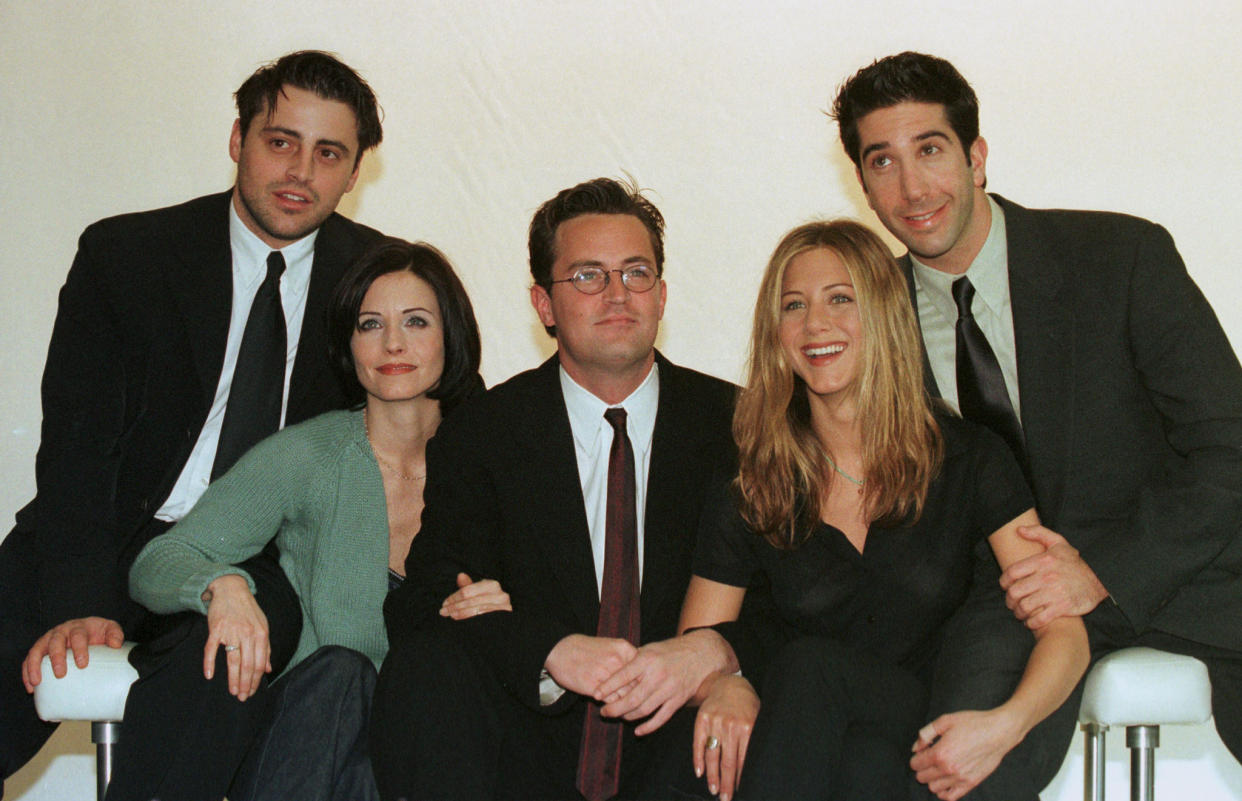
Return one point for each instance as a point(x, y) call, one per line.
point(341, 496)
point(860, 505)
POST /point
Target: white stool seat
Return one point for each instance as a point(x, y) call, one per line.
point(1141, 689)
point(1144, 687)
point(96, 692)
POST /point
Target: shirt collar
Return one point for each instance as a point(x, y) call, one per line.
point(988, 273)
point(586, 411)
point(250, 255)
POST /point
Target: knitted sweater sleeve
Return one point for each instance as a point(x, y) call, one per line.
point(236, 517)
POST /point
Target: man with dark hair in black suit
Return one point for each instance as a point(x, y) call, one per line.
point(1080, 338)
point(578, 486)
point(151, 346)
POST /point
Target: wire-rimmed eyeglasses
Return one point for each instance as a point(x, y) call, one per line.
point(593, 280)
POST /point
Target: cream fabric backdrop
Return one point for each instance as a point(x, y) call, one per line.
point(492, 107)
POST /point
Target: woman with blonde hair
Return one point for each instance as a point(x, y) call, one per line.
point(857, 509)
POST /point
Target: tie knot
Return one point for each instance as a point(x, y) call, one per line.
point(616, 418)
point(275, 266)
point(963, 296)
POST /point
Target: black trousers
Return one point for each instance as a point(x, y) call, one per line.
point(22, 734)
point(443, 727)
point(836, 723)
point(184, 736)
point(1110, 631)
point(984, 652)
point(23, 620)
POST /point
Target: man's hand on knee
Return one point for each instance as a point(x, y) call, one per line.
point(75, 635)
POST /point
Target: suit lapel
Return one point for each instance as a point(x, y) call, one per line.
point(558, 518)
point(201, 286)
point(1043, 327)
point(673, 460)
point(327, 268)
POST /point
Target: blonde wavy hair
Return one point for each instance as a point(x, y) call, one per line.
point(782, 462)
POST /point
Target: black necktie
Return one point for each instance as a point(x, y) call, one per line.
point(981, 392)
point(253, 409)
point(599, 753)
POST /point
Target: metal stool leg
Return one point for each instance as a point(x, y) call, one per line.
point(104, 734)
point(1093, 763)
point(1142, 742)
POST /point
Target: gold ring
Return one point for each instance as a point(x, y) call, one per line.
point(712, 743)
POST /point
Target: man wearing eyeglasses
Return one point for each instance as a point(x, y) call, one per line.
point(577, 486)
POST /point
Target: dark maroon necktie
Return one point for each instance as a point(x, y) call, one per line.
point(981, 392)
point(253, 408)
point(599, 757)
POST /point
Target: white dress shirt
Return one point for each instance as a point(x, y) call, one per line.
point(989, 274)
point(592, 445)
point(593, 437)
point(249, 269)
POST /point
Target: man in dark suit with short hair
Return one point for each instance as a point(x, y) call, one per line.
point(1080, 338)
point(527, 486)
point(151, 339)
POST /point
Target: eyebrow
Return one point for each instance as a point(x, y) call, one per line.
point(292, 134)
point(578, 265)
point(403, 311)
point(935, 133)
point(829, 286)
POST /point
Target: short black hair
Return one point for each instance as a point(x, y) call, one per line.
point(460, 378)
point(318, 72)
point(906, 77)
point(598, 196)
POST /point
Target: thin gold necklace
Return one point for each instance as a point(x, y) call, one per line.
point(366, 427)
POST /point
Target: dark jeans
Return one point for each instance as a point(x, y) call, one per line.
point(313, 745)
point(836, 723)
point(184, 736)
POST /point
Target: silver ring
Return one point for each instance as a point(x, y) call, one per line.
point(229, 648)
point(712, 743)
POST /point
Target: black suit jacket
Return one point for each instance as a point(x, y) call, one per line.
point(503, 501)
point(1132, 412)
point(135, 357)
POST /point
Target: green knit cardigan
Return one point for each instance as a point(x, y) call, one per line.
point(317, 489)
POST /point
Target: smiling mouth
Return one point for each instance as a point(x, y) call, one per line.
point(823, 350)
point(921, 219)
point(395, 369)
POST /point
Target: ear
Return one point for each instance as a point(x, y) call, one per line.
point(235, 141)
point(542, 302)
point(663, 297)
point(353, 179)
point(978, 161)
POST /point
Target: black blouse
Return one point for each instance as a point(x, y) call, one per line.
point(893, 598)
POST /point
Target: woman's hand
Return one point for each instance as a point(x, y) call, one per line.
point(722, 731)
point(475, 598)
point(236, 623)
point(957, 751)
